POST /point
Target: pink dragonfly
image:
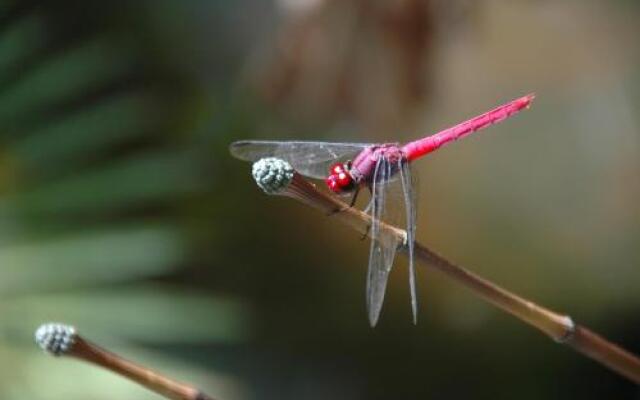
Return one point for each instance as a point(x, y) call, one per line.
point(346, 167)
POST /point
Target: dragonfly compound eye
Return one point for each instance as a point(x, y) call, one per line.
point(340, 182)
point(337, 168)
point(332, 183)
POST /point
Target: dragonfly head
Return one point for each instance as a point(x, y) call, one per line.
point(340, 179)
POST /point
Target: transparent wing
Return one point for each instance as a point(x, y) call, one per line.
point(312, 159)
point(386, 205)
point(409, 188)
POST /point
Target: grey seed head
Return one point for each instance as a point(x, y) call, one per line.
point(272, 174)
point(55, 338)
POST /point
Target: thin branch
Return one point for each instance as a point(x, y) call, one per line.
point(59, 339)
point(559, 327)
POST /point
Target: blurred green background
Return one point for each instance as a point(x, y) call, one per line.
point(121, 211)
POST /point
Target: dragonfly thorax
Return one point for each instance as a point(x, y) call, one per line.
point(340, 179)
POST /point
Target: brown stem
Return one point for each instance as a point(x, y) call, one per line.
point(152, 380)
point(559, 327)
point(600, 349)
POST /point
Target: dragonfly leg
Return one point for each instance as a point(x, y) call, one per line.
point(355, 197)
point(366, 232)
point(366, 210)
point(351, 203)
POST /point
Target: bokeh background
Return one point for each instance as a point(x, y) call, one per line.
point(121, 211)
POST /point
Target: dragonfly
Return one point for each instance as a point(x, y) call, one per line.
point(383, 168)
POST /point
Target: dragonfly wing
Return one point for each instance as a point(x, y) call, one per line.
point(408, 187)
point(383, 208)
point(312, 159)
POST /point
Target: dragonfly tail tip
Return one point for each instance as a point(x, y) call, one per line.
point(528, 99)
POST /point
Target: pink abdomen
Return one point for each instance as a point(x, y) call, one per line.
point(421, 147)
